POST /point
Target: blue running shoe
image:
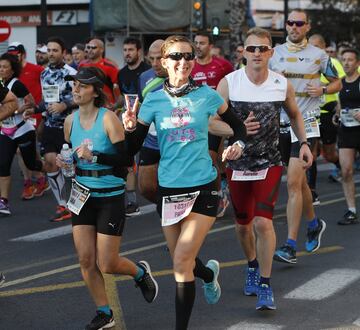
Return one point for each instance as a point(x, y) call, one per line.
point(265, 298)
point(286, 253)
point(314, 236)
point(252, 282)
point(212, 290)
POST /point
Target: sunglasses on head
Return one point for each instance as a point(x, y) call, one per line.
point(177, 56)
point(297, 23)
point(260, 48)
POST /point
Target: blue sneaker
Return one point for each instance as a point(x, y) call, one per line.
point(265, 298)
point(252, 282)
point(212, 290)
point(286, 253)
point(314, 236)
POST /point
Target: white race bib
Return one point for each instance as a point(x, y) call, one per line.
point(51, 93)
point(177, 207)
point(249, 175)
point(78, 197)
point(312, 129)
point(347, 117)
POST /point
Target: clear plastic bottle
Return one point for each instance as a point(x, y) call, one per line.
point(69, 169)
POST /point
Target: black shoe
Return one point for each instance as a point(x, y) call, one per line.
point(315, 198)
point(2, 279)
point(132, 209)
point(147, 284)
point(286, 253)
point(349, 218)
point(101, 321)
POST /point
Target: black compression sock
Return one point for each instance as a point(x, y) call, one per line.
point(312, 175)
point(253, 264)
point(203, 272)
point(264, 280)
point(184, 301)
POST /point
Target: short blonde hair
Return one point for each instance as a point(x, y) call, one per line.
point(169, 41)
point(259, 32)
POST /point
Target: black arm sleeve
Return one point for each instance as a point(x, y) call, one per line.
point(120, 158)
point(236, 124)
point(135, 139)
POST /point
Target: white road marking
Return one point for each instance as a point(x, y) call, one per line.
point(254, 326)
point(325, 285)
point(357, 322)
point(66, 230)
point(75, 266)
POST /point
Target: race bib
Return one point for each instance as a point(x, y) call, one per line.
point(347, 117)
point(312, 129)
point(249, 175)
point(177, 207)
point(78, 197)
point(51, 93)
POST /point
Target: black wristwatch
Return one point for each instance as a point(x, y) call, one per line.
point(305, 142)
point(324, 89)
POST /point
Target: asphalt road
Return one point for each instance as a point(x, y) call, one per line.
point(44, 288)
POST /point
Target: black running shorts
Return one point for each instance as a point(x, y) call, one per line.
point(149, 156)
point(106, 214)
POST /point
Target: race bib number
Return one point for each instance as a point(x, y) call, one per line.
point(347, 117)
point(312, 129)
point(78, 197)
point(177, 207)
point(51, 93)
point(249, 175)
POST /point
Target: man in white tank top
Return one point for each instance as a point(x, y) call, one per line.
point(302, 64)
point(257, 96)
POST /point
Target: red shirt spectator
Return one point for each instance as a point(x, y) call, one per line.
point(211, 73)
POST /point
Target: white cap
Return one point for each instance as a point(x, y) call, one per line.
point(42, 49)
point(65, 146)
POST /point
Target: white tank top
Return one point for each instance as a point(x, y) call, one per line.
point(265, 101)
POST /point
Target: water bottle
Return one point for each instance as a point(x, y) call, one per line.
point(68, 169)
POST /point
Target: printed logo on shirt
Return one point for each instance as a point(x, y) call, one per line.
point(211, 74)
point(180, 117)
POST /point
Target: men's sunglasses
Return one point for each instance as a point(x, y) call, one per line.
point(260, 48)
point(177, 56)
point(297, 23)
point(91, 47)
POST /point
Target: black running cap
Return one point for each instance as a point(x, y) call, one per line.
point(86, 75)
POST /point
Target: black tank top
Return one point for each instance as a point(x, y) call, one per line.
point(350, 94)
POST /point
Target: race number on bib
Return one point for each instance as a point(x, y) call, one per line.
point(312, 129)
point(347, 117)
point(78, 197)
point(249, 175)
point(177, 207)
point(51, 93)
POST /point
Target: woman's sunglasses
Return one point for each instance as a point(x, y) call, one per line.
point(260, 48)
point(177, 56)
point(297, 23)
